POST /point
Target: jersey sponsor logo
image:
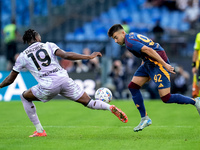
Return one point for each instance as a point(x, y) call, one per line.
point(49, 72)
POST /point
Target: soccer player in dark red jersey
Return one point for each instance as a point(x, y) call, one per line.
point(155, 66)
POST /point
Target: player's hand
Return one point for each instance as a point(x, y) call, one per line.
point(170, 68)
point(95, 54)
point(194, 70)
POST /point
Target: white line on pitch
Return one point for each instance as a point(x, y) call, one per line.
point(99, 126)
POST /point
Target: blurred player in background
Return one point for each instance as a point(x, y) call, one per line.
point(155, 66)
point(10, 38)
point(195, 66)
point(41, 60)
point(179, 81)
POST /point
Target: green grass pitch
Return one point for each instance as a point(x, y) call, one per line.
point(71, 126)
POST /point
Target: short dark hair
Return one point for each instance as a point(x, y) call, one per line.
point(114, 28)
point(29, 35)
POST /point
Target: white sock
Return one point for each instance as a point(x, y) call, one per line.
point(39, 128)
point(30, 110)
point(97, 104)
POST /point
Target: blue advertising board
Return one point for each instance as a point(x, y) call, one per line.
point(23, 82)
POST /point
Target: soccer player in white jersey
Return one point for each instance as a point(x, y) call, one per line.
point(41, 60)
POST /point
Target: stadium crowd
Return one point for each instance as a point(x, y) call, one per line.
point(124, 62)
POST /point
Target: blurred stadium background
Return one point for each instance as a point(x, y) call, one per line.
point(75, 25)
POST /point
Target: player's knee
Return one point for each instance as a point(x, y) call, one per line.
point(133, 88)
point(166, 98)
point(133, 85)
point(22, 97)
point(84, 99)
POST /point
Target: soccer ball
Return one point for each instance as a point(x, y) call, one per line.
point(103, 94)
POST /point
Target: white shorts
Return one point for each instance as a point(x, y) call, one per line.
point(67, 88)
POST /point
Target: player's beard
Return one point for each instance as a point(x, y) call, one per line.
point(120, 43)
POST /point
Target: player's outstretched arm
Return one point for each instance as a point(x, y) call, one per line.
point(75, 56)
point(9, 79)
